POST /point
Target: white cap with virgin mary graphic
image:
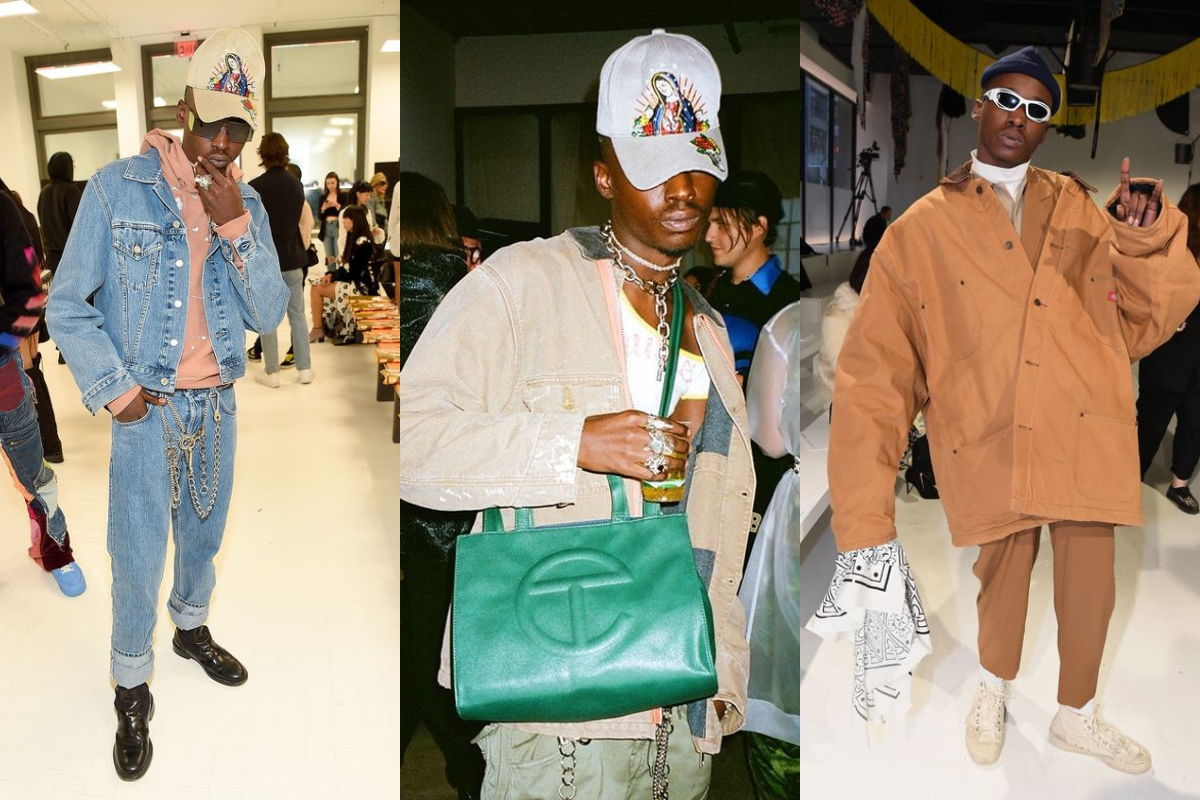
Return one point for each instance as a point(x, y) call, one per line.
point(659, 98)
point(226, 77)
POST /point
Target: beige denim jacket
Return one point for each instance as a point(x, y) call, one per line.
point(492, 404)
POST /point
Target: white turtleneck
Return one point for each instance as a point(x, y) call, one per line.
point(1011, 178)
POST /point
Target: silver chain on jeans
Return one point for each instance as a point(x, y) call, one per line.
point(566, 752)
point(662, 770)
point(187, 442)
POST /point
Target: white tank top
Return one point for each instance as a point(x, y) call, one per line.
point(641, 365)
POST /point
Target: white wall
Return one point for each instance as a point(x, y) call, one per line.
point(383, 89)
point(426, 99)
point(18, 158)
point(565, 68)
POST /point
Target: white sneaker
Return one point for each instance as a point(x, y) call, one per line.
point(1093, 736)
point(985, 725)
point(267, 379)
point(306, 376)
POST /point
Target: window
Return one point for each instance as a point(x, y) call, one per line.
point(316, 97)
point(828, 136)
point(164, 77)
point(76, 115)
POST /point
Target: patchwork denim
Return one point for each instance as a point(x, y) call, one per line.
point(200, 426)
point(22, 444)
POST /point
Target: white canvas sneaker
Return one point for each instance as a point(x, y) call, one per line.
point(1093, 736)
point(985, 725)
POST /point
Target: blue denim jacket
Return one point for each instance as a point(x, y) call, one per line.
point(126, 239)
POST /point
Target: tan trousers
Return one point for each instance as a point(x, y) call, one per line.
point(1084, 593)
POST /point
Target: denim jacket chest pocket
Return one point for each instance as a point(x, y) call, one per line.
point(138, 247)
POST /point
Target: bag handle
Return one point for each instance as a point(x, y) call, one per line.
point(494, 523)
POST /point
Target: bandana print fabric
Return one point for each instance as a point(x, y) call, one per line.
point(873, 601)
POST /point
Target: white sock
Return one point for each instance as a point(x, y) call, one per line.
point(992, 680)
point(1086, 710)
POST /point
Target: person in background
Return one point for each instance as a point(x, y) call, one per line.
point(283, 198)
point(836, 322)
point(753, 288)
point(1169, 386)
point(377, 212)
point(353, 276)
point(431, 263)
point(20, 313)
point(360, 195)
point(31, 359)
point(170, 388)
point(874, 228)
point(56, 207)
point(331, 207)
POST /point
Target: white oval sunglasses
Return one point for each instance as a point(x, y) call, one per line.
point(1008, 100)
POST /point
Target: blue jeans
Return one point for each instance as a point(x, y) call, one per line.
point(294, 278)
point(140, 508)
point(331, 236)
point(22, 445)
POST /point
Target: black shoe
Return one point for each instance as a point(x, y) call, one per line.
point(922, 481)
point(54, 458)
point(289, 360)
point(1184, 499)
point(217, 662)
point(254, 353)
point(133, 750)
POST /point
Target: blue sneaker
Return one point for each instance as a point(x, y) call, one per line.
point(70, 579)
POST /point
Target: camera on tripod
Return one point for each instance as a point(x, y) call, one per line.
point(868, 154)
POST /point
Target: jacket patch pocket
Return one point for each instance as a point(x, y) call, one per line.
point(1106, 458)
point(1101, 302)
point(951, 321)
point(586, 394)
point(138, 248)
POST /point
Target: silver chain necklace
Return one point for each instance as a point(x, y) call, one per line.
point(638, 259)
point(657, 290)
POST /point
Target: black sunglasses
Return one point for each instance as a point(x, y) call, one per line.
point(238, 130)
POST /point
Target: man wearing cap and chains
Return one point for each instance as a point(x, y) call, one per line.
point(540, 373)
point(1007, 307)
point(177, 252)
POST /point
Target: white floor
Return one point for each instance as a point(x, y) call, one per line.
point(307, 596)
point(1147, 681)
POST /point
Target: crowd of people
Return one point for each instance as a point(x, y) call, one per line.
point(532, 380)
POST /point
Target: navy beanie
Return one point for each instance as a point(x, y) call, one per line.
point(1027, 61)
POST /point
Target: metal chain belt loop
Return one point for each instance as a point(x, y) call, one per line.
point(657, 290)
point(662, 770)
point(566, 752)
point(187, 443)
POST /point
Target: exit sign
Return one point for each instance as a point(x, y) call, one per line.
point(185, 48)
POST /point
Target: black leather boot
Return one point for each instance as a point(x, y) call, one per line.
point(133, 749)
point(199, 646)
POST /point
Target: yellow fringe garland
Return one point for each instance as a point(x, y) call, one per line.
point(1126, 92)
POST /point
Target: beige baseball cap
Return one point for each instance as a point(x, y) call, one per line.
point(659, 99)
point(226, 77)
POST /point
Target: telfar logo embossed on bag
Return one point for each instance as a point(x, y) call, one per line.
point(566, 602)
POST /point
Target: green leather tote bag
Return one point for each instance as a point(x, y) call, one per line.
point(584, 621)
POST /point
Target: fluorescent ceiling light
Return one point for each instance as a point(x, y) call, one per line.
point(16, 8)
point(77, 70)
point(158, 101)
point(391, 46)
point(109, 104)
point(332, 132)
point(343, 121)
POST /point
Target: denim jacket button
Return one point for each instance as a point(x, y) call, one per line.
point(174, 342)
point(179, 262)
point(178, 303)
point(137, 248)
point(163, 381)
point(175, 224)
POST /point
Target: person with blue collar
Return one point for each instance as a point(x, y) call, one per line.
point(169, 261)
point(754, 287)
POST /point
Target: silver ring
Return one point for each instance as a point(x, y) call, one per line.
point(654, 423)
point(203, 181)
point(658, 443)
point(655, 464)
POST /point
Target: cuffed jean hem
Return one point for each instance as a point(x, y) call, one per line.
point(130, 671)
point(186, 616)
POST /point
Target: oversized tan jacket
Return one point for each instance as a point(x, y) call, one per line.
point(1017, 347)
point(492, 404)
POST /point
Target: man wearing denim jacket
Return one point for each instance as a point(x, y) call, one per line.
point(175, 254)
